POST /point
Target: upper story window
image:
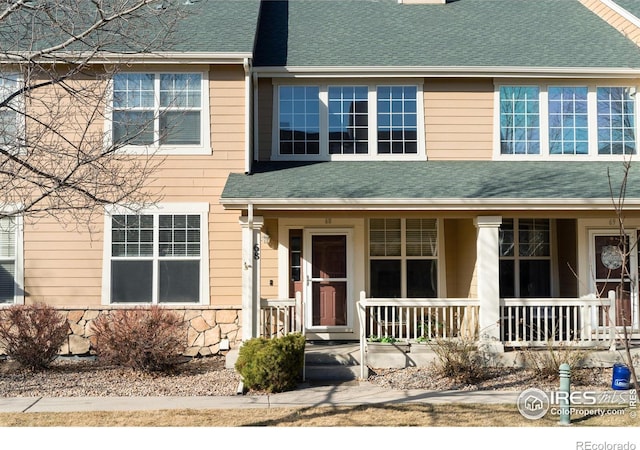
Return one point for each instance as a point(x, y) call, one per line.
point(164, 111)
point(556, 121)
point(157, 256)
point(348, 122)
point(10, 261)
point(10, 118)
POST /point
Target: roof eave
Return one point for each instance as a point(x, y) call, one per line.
point(140, 58)
point(447, 71)
point(427, 204)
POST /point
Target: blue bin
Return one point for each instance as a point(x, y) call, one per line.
point(621, 377)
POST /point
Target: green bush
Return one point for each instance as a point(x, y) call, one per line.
point(32, 334)
point(148, 339)
point(272, 365)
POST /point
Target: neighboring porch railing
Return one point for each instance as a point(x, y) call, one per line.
point(279, 317)
point(527, 322)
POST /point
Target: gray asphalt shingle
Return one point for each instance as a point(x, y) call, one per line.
point(478, 180)
point(462, 33)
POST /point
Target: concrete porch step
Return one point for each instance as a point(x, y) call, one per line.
point(331, 372)
point(332, 361)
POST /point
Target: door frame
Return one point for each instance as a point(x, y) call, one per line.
point(633, 265)
point(307, 294)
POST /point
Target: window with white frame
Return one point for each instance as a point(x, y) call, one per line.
point(10, 261)
point(348, 121)
point(403, 258)
point(160, 110)
point(158, 257)
point(10, 117)
point(567, 120)
point(525, 258)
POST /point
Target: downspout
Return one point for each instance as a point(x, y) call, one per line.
point(248, 101)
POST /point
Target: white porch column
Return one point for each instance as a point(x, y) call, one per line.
point(250, 275)
point(488, 275)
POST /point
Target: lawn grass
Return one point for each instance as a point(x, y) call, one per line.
point(383, 415)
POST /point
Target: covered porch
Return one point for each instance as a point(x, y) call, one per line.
point(349, 258)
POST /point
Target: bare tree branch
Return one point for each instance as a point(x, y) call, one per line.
point(56, 153)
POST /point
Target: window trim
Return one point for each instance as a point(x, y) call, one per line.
point(19, 105)
point(592, 124)
point(200, 208)
point(373, 154)
point(18, 277)
point(205, 120)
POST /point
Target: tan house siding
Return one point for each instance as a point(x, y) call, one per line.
point(459, 119)
point(460, 253)
point(64, 267)
point(613, 18)
point(265, 118)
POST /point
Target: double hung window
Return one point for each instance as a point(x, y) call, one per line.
point(158, 257)
point(525, 258)
point(160, 110)
point(403, 257)
point(348, 121)
point(10, 117)
point(579, 121)
point(10, 262)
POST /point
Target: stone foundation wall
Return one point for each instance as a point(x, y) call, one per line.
point(206, 327)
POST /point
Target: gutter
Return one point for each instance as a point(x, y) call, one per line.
point(168, 58)
point(447, 71)
point(428, 204)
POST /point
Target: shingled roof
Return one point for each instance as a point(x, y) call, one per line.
point(201, 26)
point(439, 184)
point(461, 33)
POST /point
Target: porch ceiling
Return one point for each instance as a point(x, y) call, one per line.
point(436, 185)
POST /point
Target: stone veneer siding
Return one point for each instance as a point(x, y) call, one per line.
point(206, 327)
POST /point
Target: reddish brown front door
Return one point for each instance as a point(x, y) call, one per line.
point(328, 280)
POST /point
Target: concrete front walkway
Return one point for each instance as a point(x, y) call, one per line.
point(307, 395)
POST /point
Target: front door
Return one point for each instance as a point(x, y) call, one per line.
point(612, 272)
point(327, 280)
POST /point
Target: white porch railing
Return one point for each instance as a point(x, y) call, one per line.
point(279, 317)
point(558, 321)
point(415, 318)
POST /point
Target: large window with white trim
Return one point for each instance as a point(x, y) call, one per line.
point(348, 121)
point(10, 261)
point(566, 121)
point(160, 110)
point(403, 258)
point(158, 257)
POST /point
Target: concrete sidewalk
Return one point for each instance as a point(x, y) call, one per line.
point(307, 395)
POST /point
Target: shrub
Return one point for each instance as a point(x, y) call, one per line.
point(545, 362)
point(460, 360)
point(32, 334)
point(272, 365)
point(148, 339)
